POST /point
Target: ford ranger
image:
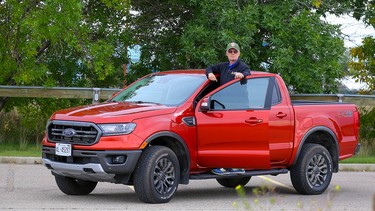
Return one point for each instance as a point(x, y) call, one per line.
point(171, 127)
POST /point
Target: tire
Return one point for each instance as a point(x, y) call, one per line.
point(71, 186)
point(313, 171)
point(233, 182)
point(157, 175)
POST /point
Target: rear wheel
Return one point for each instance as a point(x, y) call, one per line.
point(233, 182)
point(71, 186)
point(313, 171)
point(157, 175)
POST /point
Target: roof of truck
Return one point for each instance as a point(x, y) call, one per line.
point(203, 71)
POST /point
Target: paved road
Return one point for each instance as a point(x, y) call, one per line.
point(32, 187)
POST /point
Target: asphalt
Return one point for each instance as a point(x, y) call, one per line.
point(38, 160)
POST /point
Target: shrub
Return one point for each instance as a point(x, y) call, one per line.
point(367, 124)
point(23, 122)
point(9, 125)
point(367, 132)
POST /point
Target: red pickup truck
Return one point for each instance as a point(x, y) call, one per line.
point(170, 127)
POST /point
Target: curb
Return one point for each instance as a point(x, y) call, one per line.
point(21, 160)
point(38, 160)
point(357, 167)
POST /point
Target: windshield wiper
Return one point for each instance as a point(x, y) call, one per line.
point(141, 102)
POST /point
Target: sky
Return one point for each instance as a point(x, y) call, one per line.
point(355, 30)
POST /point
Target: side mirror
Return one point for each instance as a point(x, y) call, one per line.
point(204, 107)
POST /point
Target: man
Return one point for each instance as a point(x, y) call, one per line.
point(233, 69)
point(230, 70)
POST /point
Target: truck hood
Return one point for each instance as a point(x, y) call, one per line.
point(112, 112)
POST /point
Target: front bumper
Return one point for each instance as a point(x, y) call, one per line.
point(92, 165)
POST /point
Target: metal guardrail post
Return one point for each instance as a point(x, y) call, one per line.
point(96, 96)
point(340, 96)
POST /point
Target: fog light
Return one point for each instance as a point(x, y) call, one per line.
point(118, 159)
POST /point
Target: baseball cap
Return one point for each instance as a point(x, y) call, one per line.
point(233, 45)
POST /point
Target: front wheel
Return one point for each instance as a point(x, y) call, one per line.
point(233, 182)
point(71, 186)
point(157, 175)
point(313, 171)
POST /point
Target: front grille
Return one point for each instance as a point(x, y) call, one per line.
point(80, 133)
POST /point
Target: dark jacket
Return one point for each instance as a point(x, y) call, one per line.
point(227, 73)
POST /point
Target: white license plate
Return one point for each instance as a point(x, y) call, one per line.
point(63, 149)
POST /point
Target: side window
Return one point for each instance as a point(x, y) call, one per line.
point(276, 95)
point(250, 95)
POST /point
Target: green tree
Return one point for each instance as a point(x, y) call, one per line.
point(63, 43)
point(286, 37)
point(362, 64)
point(60, 43)
point(84, 42)
point(158, 26)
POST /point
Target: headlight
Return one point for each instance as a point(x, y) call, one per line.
point(117, 129)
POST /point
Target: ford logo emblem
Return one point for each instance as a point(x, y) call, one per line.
point(69, 132)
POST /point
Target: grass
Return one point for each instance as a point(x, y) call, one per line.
point(360, 159)
point(13, 150)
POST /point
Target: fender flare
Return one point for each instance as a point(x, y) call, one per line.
point(335, 154)
point(185, 172)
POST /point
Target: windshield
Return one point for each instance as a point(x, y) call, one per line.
point(170, 90)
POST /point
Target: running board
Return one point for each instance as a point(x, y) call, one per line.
point(272, 172)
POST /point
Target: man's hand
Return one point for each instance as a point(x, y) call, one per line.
point(238, 75)
point(212, 77)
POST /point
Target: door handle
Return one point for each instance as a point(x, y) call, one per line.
point(281, 115)
point(254, 120)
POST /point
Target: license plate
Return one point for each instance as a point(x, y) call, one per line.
point(63, 149)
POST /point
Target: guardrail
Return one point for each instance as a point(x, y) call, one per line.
point(359, 100)
point(57, 92)
point(96, 94)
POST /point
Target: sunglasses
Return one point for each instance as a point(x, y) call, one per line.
point(232, 51)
